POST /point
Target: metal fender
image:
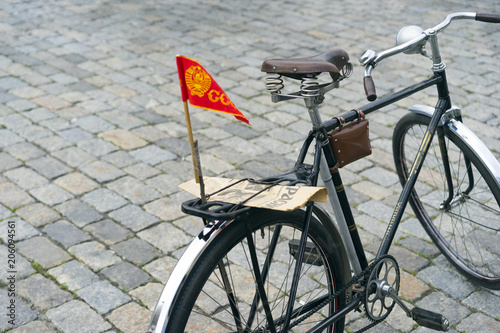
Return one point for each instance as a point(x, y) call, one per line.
point(163, 308)
point(468, 137)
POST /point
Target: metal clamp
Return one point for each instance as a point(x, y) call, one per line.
point(452, 113)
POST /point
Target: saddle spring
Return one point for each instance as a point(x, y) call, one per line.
point(309, 86)
point(274, 83)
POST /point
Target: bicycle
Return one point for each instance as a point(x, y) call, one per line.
point(304, 272)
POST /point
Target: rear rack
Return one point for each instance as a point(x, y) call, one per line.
point(213, 211)
point(222, 211)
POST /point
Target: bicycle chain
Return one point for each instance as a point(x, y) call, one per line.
point(360, 277)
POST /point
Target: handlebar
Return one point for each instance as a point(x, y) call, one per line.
point(369, 59)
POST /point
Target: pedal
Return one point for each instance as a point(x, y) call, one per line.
point(430, 319)
point(311, 255)
point(423, 317)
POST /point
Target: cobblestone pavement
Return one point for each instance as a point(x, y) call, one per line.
point(93, 142)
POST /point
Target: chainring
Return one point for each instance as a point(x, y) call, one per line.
point(378, 305)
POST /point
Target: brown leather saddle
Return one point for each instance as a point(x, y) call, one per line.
point(297, 68)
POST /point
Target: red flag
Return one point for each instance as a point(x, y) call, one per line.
point(201, 90)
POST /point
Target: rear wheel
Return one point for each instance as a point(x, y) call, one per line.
point(462, 214)
point(221, 294)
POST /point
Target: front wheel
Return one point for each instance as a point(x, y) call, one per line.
point(457, 202)
point(220, 293)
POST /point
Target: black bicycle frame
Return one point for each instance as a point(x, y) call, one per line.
point(443, 104)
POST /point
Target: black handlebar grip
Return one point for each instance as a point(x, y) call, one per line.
point(488, 17)
point(370, 91)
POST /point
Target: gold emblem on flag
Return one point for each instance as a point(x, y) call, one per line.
point(198, 81)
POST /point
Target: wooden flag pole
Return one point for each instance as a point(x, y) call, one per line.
point(191, 142)
point(200, 175)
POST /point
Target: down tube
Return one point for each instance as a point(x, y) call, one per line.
point(412, 178)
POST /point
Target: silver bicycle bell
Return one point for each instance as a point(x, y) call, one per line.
point(408, 33)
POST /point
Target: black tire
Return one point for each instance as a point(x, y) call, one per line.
point(203, 306)
point(466, 231)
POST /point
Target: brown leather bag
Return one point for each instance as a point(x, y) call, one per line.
point(351, 141)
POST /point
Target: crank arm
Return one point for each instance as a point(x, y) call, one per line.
point(433, 320)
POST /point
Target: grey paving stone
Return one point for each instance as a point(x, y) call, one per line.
point(48, 167)
point(12, 196)
point(55, 124)
point(94, 124)
point(65, 233)
point(74, 275)
point(42, 251)
point(151, 133)
point(23, 266)
point(34, 133)
point(75, 135)
point(156, 236)
point(23, 229)
point(419, 246)
point(76, 183)
point(166, 184)
point(8, 162)
point(104, 200)
point(97, 147)
point(161, 268)
point(377, 210)
point(176, 146)
point(34, 326)
point(51, 194)
point(108, 231)
point(53, 143)
point(242, 131)
point(26, 178)
point(123, 120)
point(484, 301)
point(11, 101)
point(74, 156)
point(94, 255)
point(103, 296)
point(166, 209)
point(23, 313)
point(449, 282)
point(24, 151)
point(11, 82)
point(76, 316)
point(5, 213)
point(135, 250)
point(448, 307)
point(101, 171)
point(407, 260)
point(153, 155)
point(478, 321)
point(39, 114)
point(42, 292)
point(134, 190)
point(124, 139)
point(413, 227)
point(126, 275)
point(179, 169)
point(141, 171)
point(120, 159)
point(130, 317)
point(38, 214)
point(14, 121)
point(191, 225)
point(78, 212)
point(133, 217)
point(148, 294)
point(51, 102)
